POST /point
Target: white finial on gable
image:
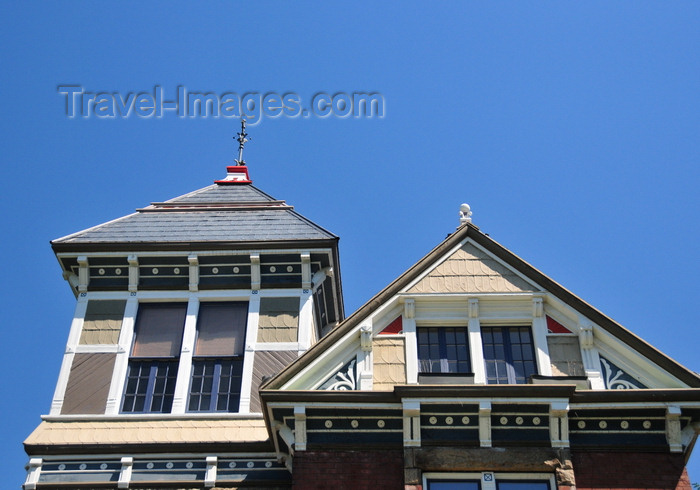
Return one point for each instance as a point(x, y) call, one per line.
point(465, 214)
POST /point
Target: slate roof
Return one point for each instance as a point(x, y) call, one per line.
point(238, 213)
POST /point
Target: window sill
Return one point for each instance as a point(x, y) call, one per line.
point(446, 378)
point(581, 382)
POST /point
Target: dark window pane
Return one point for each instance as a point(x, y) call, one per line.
point(216, 386)
point(440, 350)
point(150, 386)
point(513, 359)
point(523, 485)
point(452, 485)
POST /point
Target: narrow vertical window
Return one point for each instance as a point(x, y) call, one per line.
point(217, 365)
point(150, 384)
point(443, 350)
point(508, 354)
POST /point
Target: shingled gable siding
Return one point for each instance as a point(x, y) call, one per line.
point(469, 270)
point(630, 471)
point(279, 320)
point(88, 384)
point(267, 363)
point(103, 322)
point(389, 363)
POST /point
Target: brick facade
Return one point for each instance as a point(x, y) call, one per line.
point(628, 471)
point(346, 470)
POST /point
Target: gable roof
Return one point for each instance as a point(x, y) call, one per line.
point(429, 261)
point(224, 214)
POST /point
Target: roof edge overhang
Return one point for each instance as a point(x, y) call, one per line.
point(80, 248)
point(669, 395)
point(266, 446)
point(461, 392)
point(471, 231)
point(420, 391)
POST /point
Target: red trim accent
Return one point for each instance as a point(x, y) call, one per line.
point(394, 327)
point(235, 169)
point(554, 326)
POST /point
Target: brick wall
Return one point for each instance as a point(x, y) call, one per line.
point(345, 470)
point(630, 471)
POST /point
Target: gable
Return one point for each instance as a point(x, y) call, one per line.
point(470, 281)
point(471, 270)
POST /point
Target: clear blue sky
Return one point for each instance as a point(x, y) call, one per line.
point(572, 129)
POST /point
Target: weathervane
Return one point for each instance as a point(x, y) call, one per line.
point(242, 138)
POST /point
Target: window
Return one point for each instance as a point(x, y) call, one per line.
point(150, 383)
point(489, 481)
point(508, 354)
point(452, 485)
point(522, 485)
point(217, 364)
point(443, 350)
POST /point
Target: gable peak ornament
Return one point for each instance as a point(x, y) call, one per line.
point(465, 214)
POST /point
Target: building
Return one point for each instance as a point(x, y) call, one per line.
point(209, 349)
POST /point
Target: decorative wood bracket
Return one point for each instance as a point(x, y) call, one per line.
point(409, 308)
point(473, 308)
point(366, 338)
point(194, 272)
point(255, 271)
point(133, 273)
point(537, 307)
point(33, 472)
point(411, 424)
point(210, 475)
point(306, 270)
point(300, 428)
point(673, 429)
point(125, 473)
point(83, 274)
point(559, 424)
point(485, 424)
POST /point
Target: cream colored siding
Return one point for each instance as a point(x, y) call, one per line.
point(148, 431)
point(88, 384)
point(103, 322)
point(279, 320)
point(389, 363)
point(469, 270)
point(565, 355)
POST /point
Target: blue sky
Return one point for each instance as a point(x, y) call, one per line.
point(572, 129)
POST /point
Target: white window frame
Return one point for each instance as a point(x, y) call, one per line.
point(487, 480)
point(193, 299)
